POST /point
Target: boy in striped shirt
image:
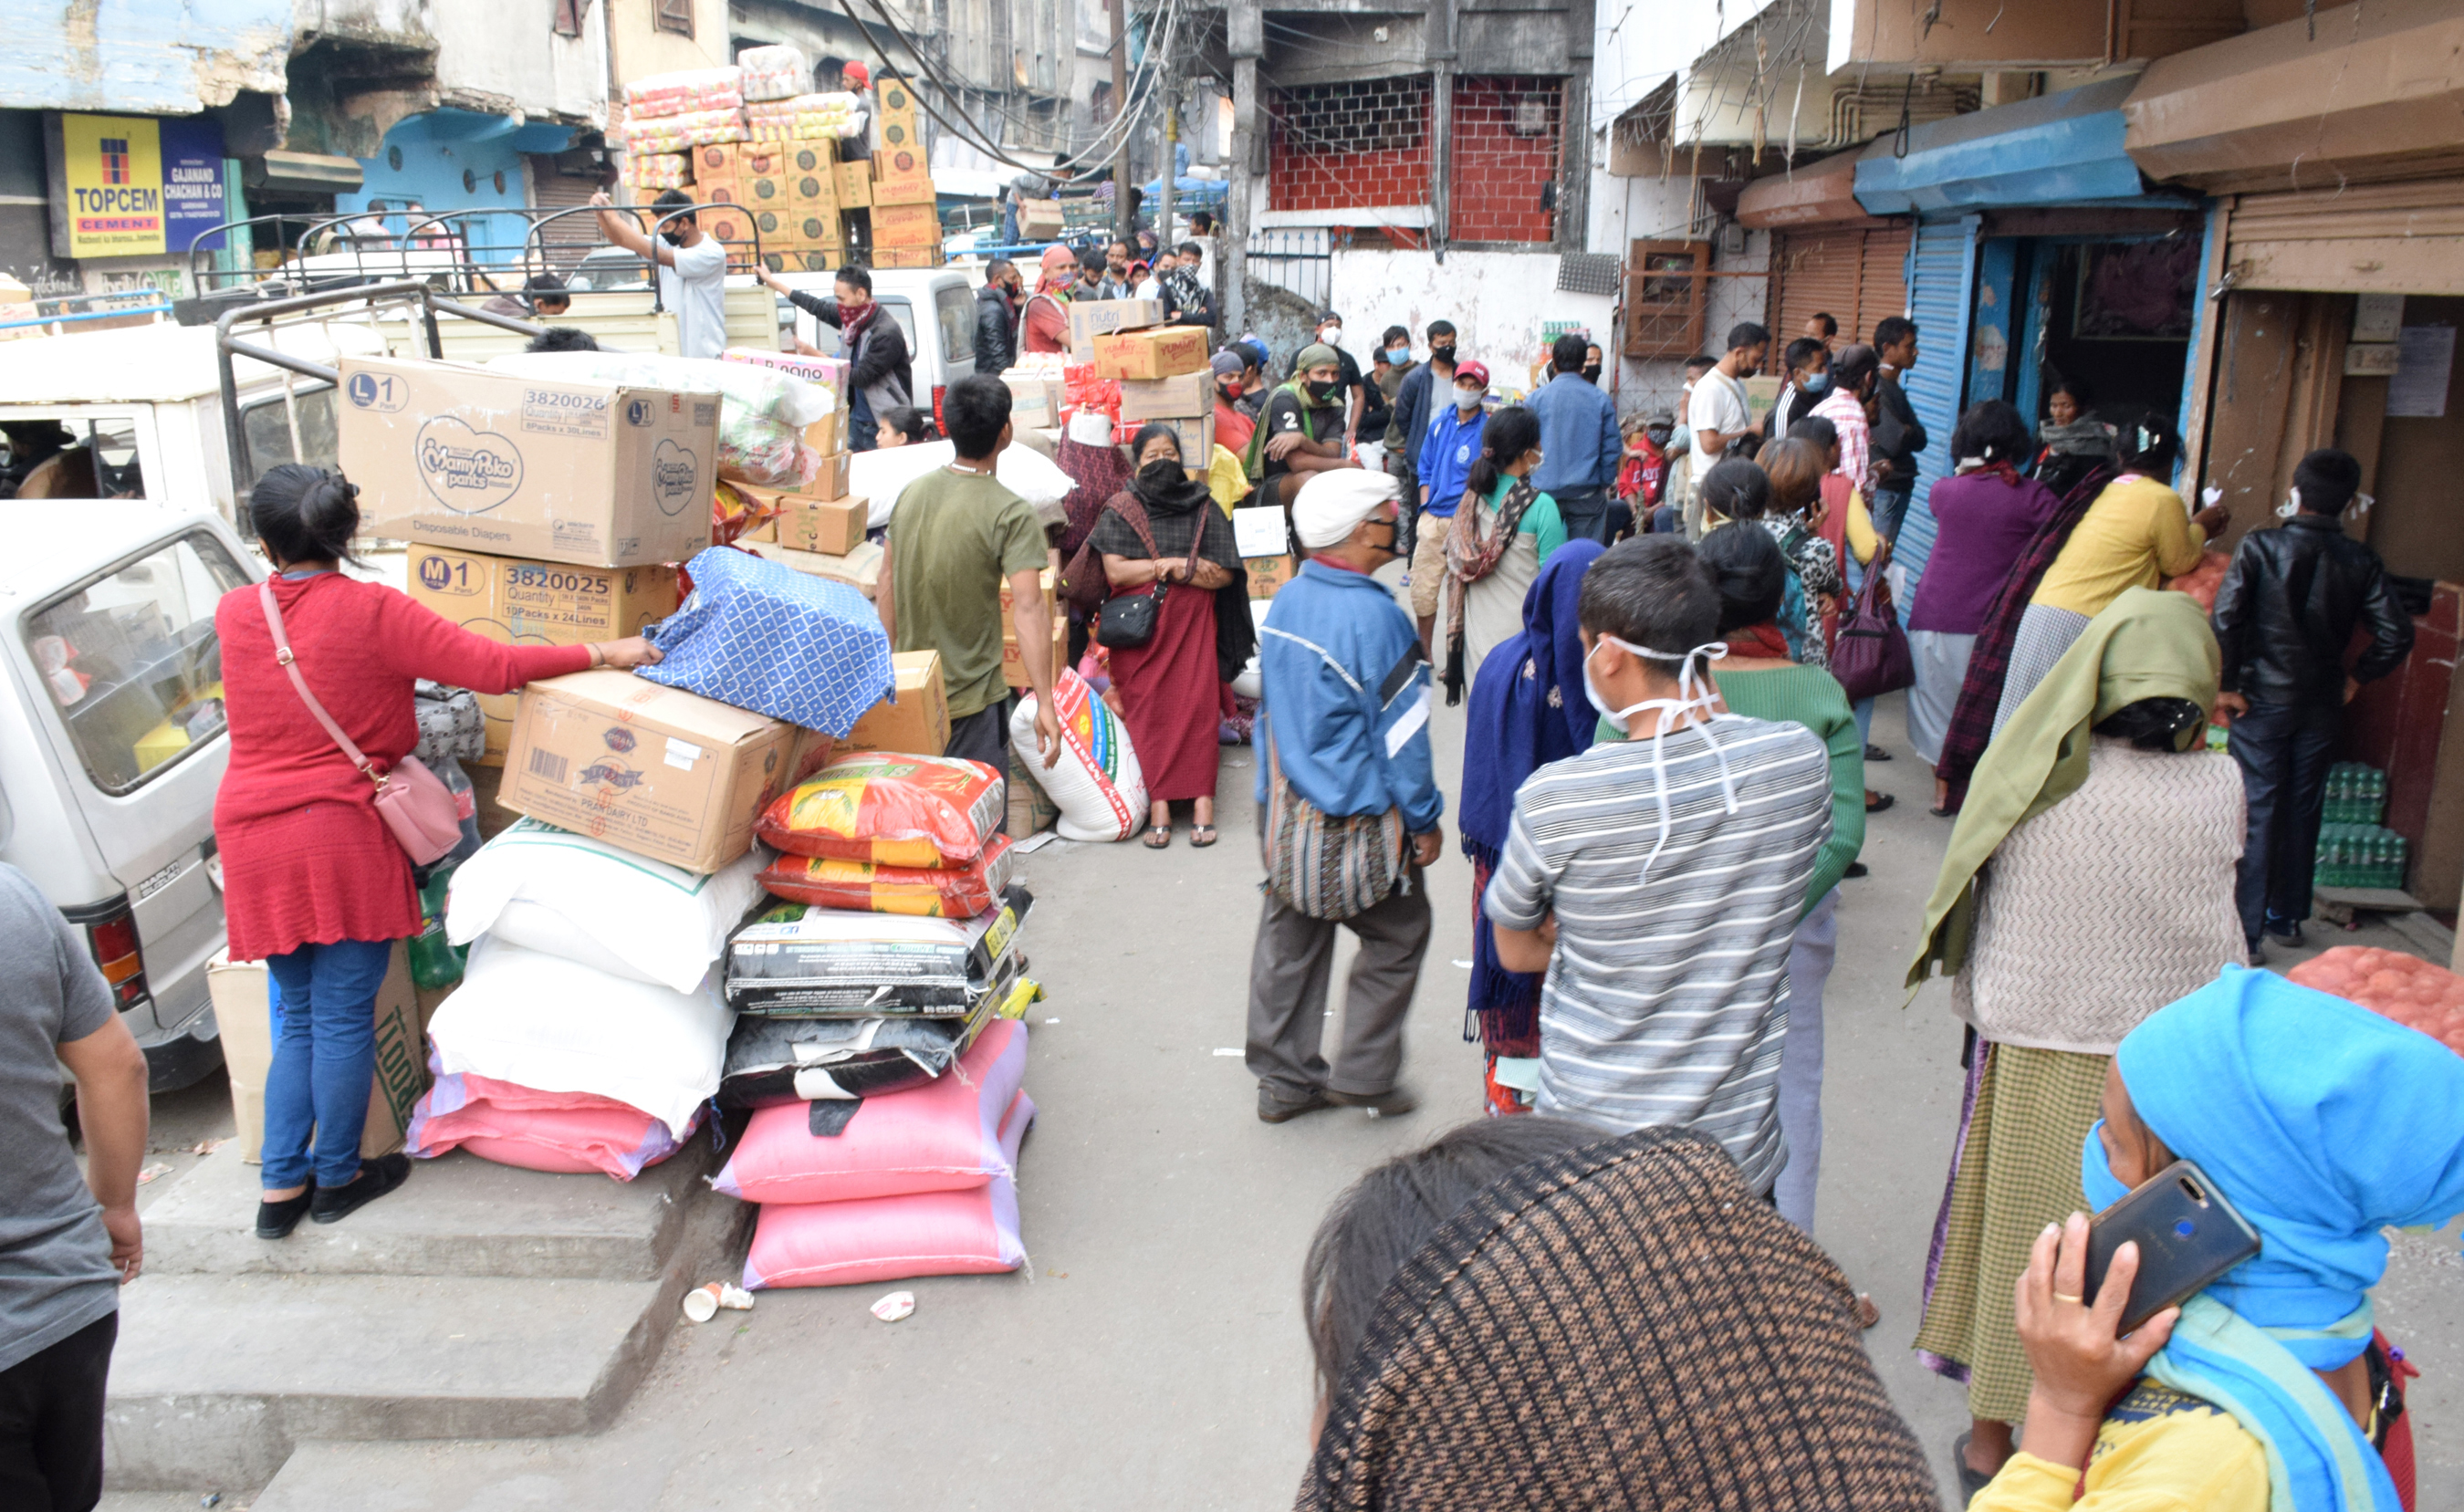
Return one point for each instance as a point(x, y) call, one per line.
point(1658, 880)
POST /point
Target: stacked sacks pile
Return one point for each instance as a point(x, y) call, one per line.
point(774, 72)
point(876, 1034)
point(654, 171)
point(686, 92)
point(805, 118)
point(681, 133)
point(590, 1029)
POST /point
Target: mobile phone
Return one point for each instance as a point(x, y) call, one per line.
point(2187, 1236)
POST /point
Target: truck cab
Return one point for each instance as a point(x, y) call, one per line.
point(939, 302)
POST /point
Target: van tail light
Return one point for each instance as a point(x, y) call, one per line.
point(939, 390)
point(112, 940)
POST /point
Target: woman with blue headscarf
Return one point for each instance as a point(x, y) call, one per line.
point(2322, 1124)
point(1528, 710)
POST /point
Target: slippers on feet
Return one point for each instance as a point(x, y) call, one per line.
point(1158, 837)
point(1201, 836)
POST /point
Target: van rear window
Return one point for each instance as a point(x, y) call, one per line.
point(267, 428)
point(131, 661)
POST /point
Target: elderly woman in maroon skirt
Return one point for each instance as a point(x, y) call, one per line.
point(1172, 687)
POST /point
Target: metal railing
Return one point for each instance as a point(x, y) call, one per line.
point(1298, 260)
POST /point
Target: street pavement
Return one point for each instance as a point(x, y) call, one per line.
point(1151, 1354)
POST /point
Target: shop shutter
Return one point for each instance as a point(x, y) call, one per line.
point(568, 238)
point(2362, 238)
point(1941, 280)
point(1855, 276)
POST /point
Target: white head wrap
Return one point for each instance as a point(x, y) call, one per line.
point(1331, 503)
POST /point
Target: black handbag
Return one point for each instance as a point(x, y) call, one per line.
point(1129, 619)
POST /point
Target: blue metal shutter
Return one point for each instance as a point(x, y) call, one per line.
point(1942, 285)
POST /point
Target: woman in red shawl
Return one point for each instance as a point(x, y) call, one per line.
point(1046, 325)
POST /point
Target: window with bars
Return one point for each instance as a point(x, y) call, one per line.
point(1359, 143)
point(1504, 180)
point(673, 15)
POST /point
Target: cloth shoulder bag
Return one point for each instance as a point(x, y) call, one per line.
point(1871, 656)
point(413, 802)
point(1323, 866)
point(1129, 619)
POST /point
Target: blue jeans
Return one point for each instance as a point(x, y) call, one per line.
point(324, 1059)
point(1801, 1061)
point(862, 429)
point(1585, 513)
point(2283, 751)
point(1891, 506)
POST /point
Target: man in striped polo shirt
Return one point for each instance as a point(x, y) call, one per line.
point(1658, 880)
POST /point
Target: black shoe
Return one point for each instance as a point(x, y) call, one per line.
point(1881, 801)
point(275, 1220)
point(375, 1179)
point(1875, 753)
point(1393, 1102)
point(2258, 953)
point(1273, 1110)
point(2284, 931)
point(1857, 868)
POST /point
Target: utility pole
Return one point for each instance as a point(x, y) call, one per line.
point(1122, 227)
point(1245, 38)
point(1442, 120)
point(1171, 183)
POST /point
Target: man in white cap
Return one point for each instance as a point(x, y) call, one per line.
point(1344, 718)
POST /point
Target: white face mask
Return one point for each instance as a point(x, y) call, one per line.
point(1691, 696)
point(1467, 399)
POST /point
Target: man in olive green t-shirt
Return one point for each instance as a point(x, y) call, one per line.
point(955, 535)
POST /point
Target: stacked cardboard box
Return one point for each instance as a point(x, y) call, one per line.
point(1014, 665)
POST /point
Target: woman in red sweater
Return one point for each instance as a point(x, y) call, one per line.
point(314, 884)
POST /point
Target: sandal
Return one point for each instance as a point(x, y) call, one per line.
point(1868, 1313)
point(1876, 803)
point(1159, 837)
point(1201, 836)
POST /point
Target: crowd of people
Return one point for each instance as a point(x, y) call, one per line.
point(1662, 795)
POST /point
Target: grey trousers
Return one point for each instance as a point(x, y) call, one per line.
point(1289, 972)
point(1801, 1061)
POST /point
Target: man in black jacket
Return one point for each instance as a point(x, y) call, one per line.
point(1898, 434)
point(997, 305)
point(879, 376)
point(2284, 614)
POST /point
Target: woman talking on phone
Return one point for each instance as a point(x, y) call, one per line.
point(2321, 1124)
point(315, 884)
point(2089, 882)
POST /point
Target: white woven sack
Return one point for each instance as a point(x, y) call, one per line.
point(585, 899)
point(556, 1025)
point(1096, 783)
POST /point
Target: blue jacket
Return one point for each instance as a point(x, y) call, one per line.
point(1449, 444)
point(1346, 698)
point(1578, 436)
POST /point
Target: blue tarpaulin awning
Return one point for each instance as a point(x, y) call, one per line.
point(2060, 149)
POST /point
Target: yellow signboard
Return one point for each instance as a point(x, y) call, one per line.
point(113, 176)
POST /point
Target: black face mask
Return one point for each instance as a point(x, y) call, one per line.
point(1320, 390)
point(1593, 372)
point(1446, 352)
point(1161, 473)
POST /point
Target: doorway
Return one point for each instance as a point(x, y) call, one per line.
point(2114, 314)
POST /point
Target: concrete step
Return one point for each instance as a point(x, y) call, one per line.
point(456, 1216)
point(218, 1377)
point(596, 1472)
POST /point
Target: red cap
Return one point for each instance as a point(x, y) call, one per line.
point(856, 73)
point(1476, 371)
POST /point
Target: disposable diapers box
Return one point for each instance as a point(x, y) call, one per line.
point(595, 474)
point(661, 772)
point(243, 999)
point(1183, 395)
point(834, 526)
point(1089, 319)
point(517, 603)
point(918, 723)
point(1165, 352)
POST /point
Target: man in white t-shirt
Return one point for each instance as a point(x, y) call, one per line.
point(693, 268)
point(1718, 413)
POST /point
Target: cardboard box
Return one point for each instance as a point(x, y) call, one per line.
point(900, 162)
point(765, 190)
point(1039, 220)
point(812, 192)
point(918, 723)
point(831, 526)
point(828, 434)
point(719, 191)
point(812, 156)
point(1266, 574)
point(1162, 352)
point(661, 772)
point(831, 481)
point(730, 224)
point(906, 257)
point(1014, 666)
point(1008, 631)
point(243, 1000)
point(594, 474)
point(911, 193)
point(761, 159)
point(896, 105)
point(1033, 401)
point(905, 225)
point(855, 186)
point(1196, 435)
point(517, 603)
point(1089, 319)
point(859, 569)
point(817, 226)
point(776, 227)
point(1182, 394)
point(715, 159)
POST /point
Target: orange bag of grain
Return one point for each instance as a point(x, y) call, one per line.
point(2405, 988)
point(932, 892)
point(898, 810)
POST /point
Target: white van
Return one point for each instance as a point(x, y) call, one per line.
point(112, 744)
point(939, 301)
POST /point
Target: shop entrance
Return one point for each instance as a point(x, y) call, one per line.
point(2115, 312)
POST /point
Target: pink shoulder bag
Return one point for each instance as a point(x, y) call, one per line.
point(410, 799)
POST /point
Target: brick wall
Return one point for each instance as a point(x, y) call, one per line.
point(1333, 146)
point(1506, 135)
